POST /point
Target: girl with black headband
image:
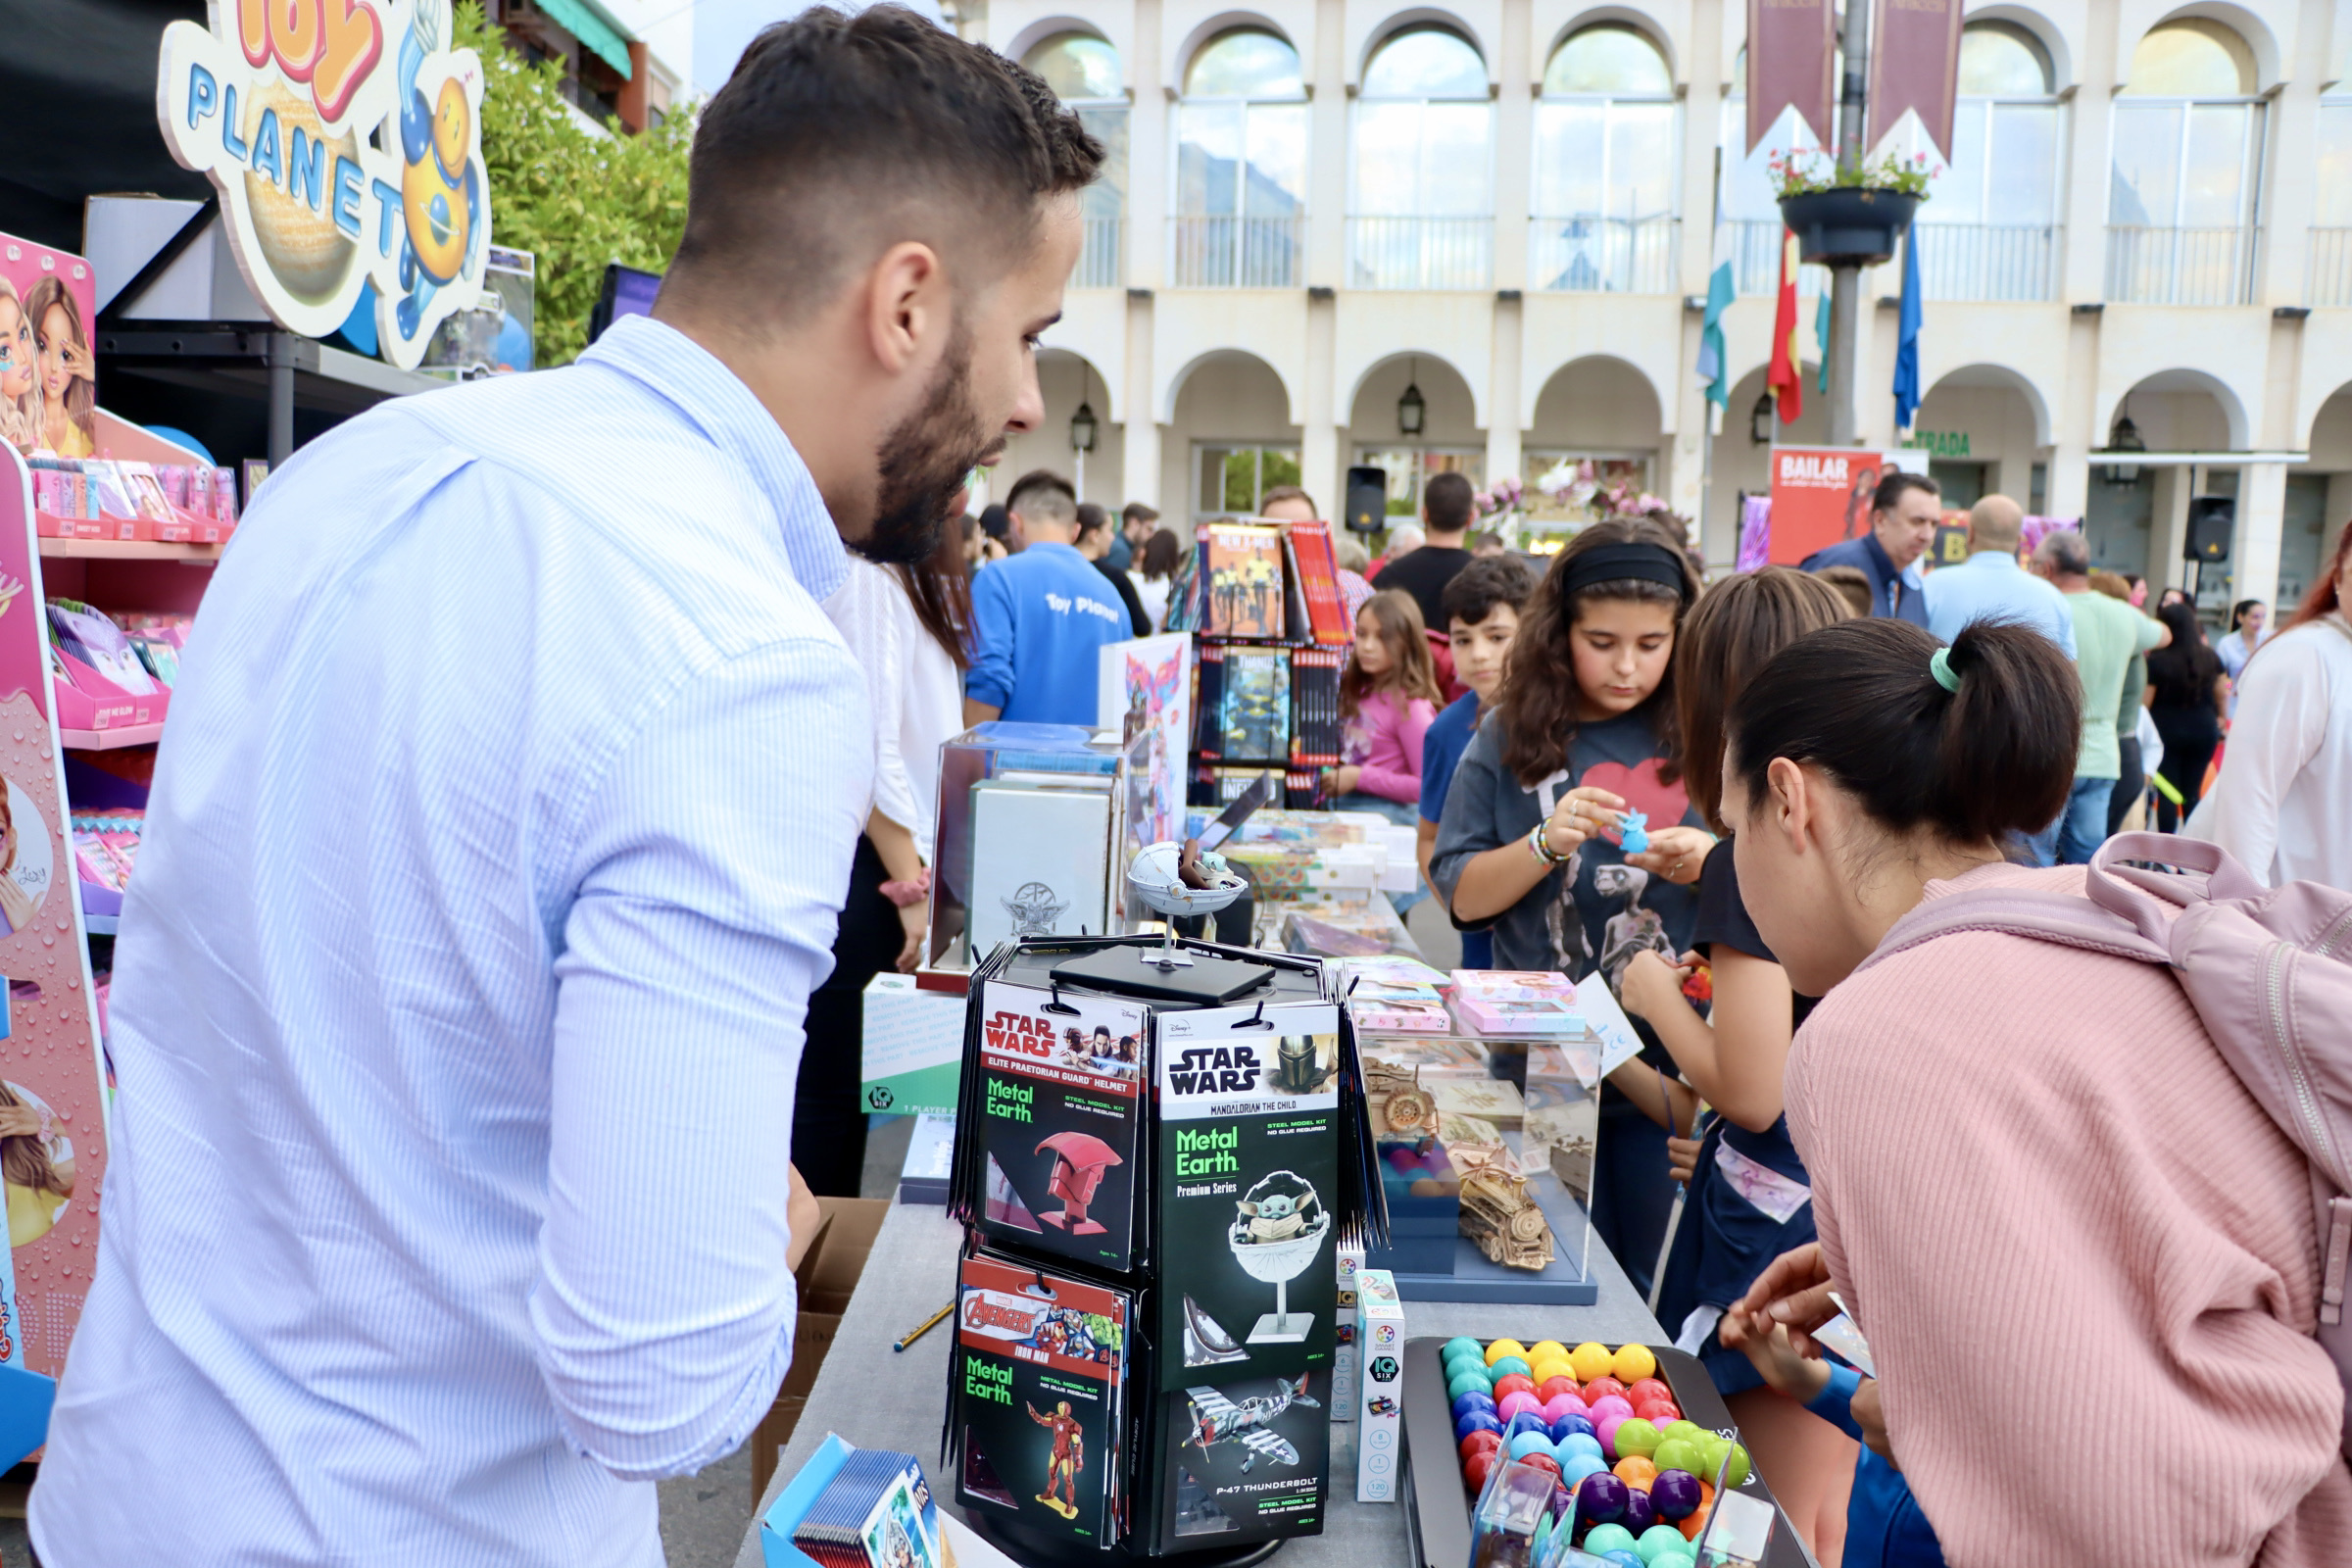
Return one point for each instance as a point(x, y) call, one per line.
point(1583, 731)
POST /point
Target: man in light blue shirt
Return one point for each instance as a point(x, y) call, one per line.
point(1990, 585)
point(1038, 618)
point(497, 841)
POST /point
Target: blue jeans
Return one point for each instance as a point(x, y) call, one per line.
point(2082, 825)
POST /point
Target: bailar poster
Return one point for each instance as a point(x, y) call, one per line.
point(1820, 495)
point(345, 138)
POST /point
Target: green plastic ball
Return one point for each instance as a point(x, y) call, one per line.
point(1737, 1474)
point(1677, 1453)
point(1463, 1342)
point(1684, 1428)
point(1662, 1541)
point(1713, 1447)
point(1505, 1366)
point(1463, 1383)
point(1636, 1439)
point(1465, 1361)
point(1611, 1538)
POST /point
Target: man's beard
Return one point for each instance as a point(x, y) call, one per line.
point(926, 462)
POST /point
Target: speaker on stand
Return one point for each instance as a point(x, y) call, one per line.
point(2212, 524)
point(1367, 500)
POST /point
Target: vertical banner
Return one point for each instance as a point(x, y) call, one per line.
point(1914, 65)
point(1821, 496)
point(53, 1134)
point(1791, 54)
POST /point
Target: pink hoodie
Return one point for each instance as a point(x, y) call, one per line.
point(2082, 1253)
point(1385, 739)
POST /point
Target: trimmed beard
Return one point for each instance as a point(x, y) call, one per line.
point(925, 463)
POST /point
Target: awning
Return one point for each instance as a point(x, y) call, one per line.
point(595, 34)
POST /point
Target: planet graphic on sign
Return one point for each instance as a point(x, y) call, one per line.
point(308, 255)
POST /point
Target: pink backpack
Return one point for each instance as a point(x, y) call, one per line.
point(2269, 971)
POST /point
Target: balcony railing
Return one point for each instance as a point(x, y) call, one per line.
point(2331, 264)
point(1421, 252)
point(2179, 266)
point(1988, 261)
point(1756, 259)
point(1588, 254)
point(1099, 261)
point(1227, 252)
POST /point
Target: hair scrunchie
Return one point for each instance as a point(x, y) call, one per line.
point(1940, 665)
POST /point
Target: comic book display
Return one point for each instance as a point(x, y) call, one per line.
point(1155, 1190)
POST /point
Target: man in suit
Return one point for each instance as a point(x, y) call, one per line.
point(1903, 514)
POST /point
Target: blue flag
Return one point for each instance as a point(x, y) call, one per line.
point(1906, 343)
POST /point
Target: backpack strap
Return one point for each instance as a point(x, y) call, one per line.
point(2058, 917)
point(2126, 890)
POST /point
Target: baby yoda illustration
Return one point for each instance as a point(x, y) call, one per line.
point(1275, 1218)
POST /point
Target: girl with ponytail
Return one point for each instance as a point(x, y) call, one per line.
point(2018, 1149)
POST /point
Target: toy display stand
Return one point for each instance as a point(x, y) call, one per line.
point(1023, 1547)
point(1436, 1504)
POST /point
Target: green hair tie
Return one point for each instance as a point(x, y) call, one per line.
point(1940, 665)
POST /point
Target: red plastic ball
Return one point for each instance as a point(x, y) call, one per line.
point(1475, 1469)
point(1513, 1383)
point(1601, 1385)
point(1659, 1413)
point(1551, 1386)
point(1542, 1461)
point(1643, 1391)
point(1478, 1442)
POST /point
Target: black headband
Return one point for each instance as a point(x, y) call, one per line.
point(1616, 563)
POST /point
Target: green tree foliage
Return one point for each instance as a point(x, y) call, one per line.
point(572, 198)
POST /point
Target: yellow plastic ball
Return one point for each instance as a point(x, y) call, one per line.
point(1502, 1348)
point(1543, 1348)
point(1550, 1367)
point(1632, 1363)
point(1590, 1360)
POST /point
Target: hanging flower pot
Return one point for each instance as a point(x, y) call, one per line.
point(1849, 225)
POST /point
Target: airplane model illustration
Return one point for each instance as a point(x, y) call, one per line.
point(1216, 1418)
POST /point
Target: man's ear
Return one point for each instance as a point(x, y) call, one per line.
point(905, 305)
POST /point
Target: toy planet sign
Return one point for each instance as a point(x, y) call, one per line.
point(345, 139)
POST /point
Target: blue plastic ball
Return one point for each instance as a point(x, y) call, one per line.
point(1475, 1421)
point(1624, 1557)
point(1526, 1421)
point(1583, 1443)
point(1527, 1442)
point(1569, 1426)
point(1574, 1467)
point(1473, 1400)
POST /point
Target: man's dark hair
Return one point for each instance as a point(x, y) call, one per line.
point(1447, 501)
point(1490, 580)
point(1893, 486)
point(996, 520)
point(840, 135)
point(1136, 511)
point(1852, 582)
point(1042, 482)
point(1091, 518)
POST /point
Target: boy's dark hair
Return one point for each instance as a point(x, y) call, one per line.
point(1854, 583)
point(1476, 589)
point(1449, 500)
point(840, 135)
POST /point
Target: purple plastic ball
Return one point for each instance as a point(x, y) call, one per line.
point(1601, 1498)
point(1639, 1512)
point(1675, 1495)
point(1610, 1404)
point(1514, 1404)
point(1567, 1426)
point(1524, 1421)
point(1475, 1421)
point(1473, 1400)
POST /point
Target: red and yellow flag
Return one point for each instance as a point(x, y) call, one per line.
point(1784, 376)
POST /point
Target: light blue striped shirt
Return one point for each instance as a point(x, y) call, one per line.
point(503, 814)
point(1990, 585)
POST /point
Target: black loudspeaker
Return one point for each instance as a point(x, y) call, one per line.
point(1367, 500)
point(2212, 519)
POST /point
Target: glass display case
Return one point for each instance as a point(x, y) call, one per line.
point(1032, 838)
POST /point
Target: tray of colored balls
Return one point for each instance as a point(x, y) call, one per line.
point(1637, 1435)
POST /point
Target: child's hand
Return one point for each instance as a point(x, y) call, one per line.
point(1795, 1290)
point(1870, 1414)
point(1675, 853)
point(1343, 779)
point(1581, 814)
point(1682, 1158)
point(1652, 986)
point(1775, 1359)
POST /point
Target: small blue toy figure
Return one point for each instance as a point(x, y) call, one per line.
point(1633, 832)
point(440, 200)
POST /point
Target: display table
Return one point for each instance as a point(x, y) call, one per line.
point(877, 1399)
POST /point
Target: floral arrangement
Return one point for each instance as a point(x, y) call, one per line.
point(1803, 171)
point(1504, 496)
point(1576, 485)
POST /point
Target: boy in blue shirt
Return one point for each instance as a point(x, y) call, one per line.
point(1481, 606)
point(1037, 616)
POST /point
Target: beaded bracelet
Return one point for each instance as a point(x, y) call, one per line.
point(1542, 850)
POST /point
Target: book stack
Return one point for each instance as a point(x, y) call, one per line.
point(111, 497)
point(1512, 1001)
point(875, 1513)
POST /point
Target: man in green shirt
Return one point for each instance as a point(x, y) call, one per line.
point(2108, 634)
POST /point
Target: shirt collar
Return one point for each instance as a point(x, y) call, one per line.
point(712, 396)
point(1997, 559)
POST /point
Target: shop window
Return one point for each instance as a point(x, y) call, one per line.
point(1229, 481)
point(1411, 469)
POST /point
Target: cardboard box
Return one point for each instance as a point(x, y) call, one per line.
point(825, 1280)
point(1380, 1438)
point(1345, 1363)
point(912, 1050)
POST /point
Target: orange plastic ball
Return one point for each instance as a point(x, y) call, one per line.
point(1636, 1473)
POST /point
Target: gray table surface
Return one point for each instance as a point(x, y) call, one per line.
point(877, 1399)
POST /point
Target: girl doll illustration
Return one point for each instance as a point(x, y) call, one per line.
point(68, 382)
point(19, 373)
point(36, 1164)
point(15, 905)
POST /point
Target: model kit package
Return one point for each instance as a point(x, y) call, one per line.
point(1039, 1384)
point(1243, 1459)
point(1345, 1364)
point(1059, 1106)
point(1380, 1441)
point(1249, 1170)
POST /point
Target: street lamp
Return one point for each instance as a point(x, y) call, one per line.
point(1759, 421)
point(1082, 429)
point(2125, 439)
point(1411, 409)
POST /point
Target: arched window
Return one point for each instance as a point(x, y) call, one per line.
point(1241, 165)
point(1744, 199)
point(1993, 219)
point(2180, 217)
point(1084, 73)
point(2330, 255)
point(1423, 210)
point(1602, 210)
